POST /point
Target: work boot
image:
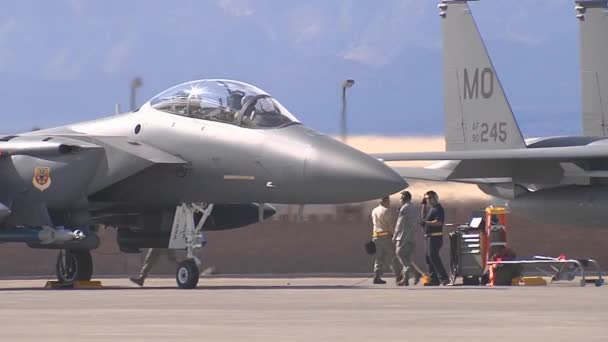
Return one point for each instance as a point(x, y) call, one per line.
point(432, 282)
point(378, 280)
point(403, 282)
point(137, 280)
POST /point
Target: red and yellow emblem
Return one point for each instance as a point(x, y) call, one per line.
point(42, 178)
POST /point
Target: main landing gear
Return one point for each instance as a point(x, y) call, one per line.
point(185, 234)
point(74, 265)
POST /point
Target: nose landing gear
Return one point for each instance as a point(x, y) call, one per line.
point(185, 234)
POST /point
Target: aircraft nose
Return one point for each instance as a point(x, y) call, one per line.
point(347, 175)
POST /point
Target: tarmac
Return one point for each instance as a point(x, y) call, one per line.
point(301, 309)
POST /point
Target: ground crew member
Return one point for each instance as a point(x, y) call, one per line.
point(403, 238)
point(383, 220)
point(432, 223)
point(151, 260)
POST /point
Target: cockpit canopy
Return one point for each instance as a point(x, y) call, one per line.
point(224, 101)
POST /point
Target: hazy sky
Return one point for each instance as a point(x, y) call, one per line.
point(70, 60)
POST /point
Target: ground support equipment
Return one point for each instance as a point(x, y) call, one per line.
point(579, 265)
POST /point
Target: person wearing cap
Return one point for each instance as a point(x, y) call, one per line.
point(403, 238)
point(432, 222)
point(383, 220)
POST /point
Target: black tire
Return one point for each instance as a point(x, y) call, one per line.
point(78, 266)
point(187, 274)
point(86, 261)
point(484, 279)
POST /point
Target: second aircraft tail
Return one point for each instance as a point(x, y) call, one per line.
point(477, 113)
point(593, 21)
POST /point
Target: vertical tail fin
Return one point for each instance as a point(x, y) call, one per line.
point(477, 113)
point(593, 24)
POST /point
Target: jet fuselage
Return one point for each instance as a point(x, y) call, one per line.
point(204, 153)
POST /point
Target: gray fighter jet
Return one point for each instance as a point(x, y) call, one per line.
point(204, 155)
point(562, 180)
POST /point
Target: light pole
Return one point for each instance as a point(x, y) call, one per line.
point(345, 84)
point(341, 209)
point(135, 83)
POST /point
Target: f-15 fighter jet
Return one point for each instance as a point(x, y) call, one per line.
point(203, 155)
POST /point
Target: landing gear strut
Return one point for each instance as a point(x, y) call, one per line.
point(74, 265)
point(185, 234)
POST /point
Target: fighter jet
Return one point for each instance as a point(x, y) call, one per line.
point(203, 155)
point(561, 180)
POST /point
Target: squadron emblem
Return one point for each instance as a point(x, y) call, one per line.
point(42, 178)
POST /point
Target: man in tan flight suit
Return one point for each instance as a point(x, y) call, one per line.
point(383, 219)
point(403, 238)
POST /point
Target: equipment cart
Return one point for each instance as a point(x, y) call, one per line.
point(567, 270)
point(472, 244)
point(465, 251)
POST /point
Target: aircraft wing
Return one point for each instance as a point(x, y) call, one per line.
point(126, 158)
point(13, 146)
point(43, 145)
point(442, 175)
point(119, 157)
point(545, 153)
point(423, 173)
point(140, 150)
point(535, 165)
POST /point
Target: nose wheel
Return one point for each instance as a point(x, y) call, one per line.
point(187, 274)
point(73, 266)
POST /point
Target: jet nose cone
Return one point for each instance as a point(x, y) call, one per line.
point(346, 175)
